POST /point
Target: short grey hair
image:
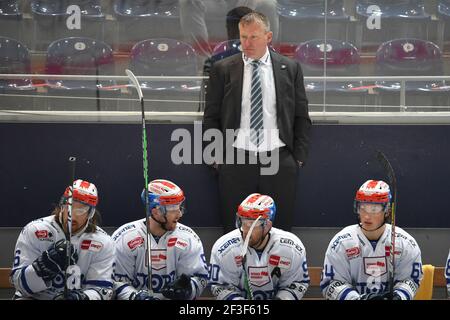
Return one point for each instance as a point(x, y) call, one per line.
point(256, 17)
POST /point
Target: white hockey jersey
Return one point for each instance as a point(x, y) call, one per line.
point(281, 271)
point(92, 272)
point(447, 275)
point(352, 266)
point(177, 252)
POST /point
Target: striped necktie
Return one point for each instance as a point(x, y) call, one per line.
point(256, 106)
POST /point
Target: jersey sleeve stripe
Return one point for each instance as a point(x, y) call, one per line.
point(405, 293)
point(99, 283)
point(345, 293)
point(23, 280)
point(232, 296)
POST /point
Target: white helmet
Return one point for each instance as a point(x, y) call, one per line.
point(84, 192)
point(373, 191)
point(163, 193)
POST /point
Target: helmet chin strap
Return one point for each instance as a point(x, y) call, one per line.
point(381, 225)
point(161, 224)
point(261, 239)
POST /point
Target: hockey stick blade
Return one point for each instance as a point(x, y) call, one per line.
point(135, 82)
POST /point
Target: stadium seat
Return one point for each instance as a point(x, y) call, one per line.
point(52, 20)
point(411, 57)
point(342, 59)
point(15, 59)
point(10, 18)
point(138, 20)
point(425, 291)
point(398, 19)
point(302, 20)
point(167, 57)
point(81, 56)
point(226, 49)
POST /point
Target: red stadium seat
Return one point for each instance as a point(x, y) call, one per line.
point(398, 19)
point(309, 17)
point(81, 56)
point(51, 17)
point(342, 59)
point(138, 20)
point(411, 57)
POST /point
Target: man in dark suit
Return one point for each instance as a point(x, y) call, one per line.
point(260, 94)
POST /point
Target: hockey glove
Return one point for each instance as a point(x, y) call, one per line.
point(380, 296)
point(72, 295)
point(373, 296)
point(180, 289)
point(142, 295)
point(54, 260)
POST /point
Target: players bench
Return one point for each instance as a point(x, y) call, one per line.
point(432, 279)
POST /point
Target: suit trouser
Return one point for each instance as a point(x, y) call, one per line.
point(237, 181)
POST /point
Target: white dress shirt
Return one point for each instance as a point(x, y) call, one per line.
point(270, 133)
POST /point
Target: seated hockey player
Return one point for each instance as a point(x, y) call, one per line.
point(41, 259)
point(447, 275)
point(178, 264)
point(272, 266)
point(356, 265)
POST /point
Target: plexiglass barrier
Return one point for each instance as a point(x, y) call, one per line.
point(357, 56)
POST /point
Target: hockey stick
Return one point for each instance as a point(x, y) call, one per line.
point(248, 285)
point(393, 185)
point(135, 82)
point(72, 163)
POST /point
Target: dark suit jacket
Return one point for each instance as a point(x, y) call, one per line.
point(224, 99)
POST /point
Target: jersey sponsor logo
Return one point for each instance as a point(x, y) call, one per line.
point(258, 276)
point(339, 239)
point(42, 234)
point(91, 245)
point(274, 260)
point(136, 242)
point(291, 242)
point(228, 243)
point(171, 242)
point(126, 228)
point(159, 259)
point(352, 252)
point(387, 249)
point(284, 263)
point(181, 244)
point(281, 262)
point(182, 228)
point(375, 266)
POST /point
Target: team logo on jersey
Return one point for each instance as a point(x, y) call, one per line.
point(136, 242)
point(258, 276)
point(375, 266)
point(159, 259)
point(352, 252)
point(91, 245)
